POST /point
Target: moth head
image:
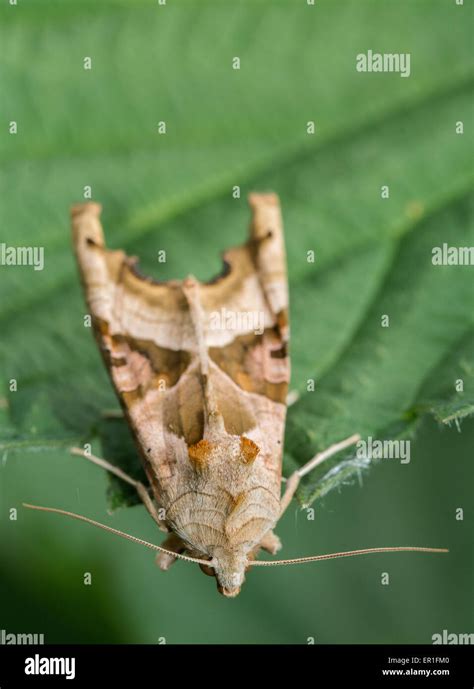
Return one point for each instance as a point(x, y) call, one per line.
point(229, 569)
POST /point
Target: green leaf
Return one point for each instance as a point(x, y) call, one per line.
point(118, 446)
point(245, 127)
point(449, 394)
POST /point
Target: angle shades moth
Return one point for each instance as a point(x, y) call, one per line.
point(202, 371)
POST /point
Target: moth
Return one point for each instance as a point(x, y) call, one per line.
point(201, 370)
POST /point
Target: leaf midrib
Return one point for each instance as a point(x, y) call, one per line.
point(142, 222)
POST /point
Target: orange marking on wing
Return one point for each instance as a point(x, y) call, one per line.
point(200, 453)
point(249, 450)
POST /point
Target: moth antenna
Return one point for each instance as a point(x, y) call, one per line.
point(119, 533)
point(347, 553)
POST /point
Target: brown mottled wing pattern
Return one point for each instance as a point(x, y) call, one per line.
point(202, 371)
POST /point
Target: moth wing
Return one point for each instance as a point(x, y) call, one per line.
point(164, 342)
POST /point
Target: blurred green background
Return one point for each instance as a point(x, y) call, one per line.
point(247, 127)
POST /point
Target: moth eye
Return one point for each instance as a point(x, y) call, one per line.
point(248, 450)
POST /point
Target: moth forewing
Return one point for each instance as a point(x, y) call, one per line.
point(202, 372)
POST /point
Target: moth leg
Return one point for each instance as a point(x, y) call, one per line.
point(271, 543)
point(139, 487)
point(292, 397)
point(112, 414)
point(174, 543)
point(293, 481)
point(178, 546)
